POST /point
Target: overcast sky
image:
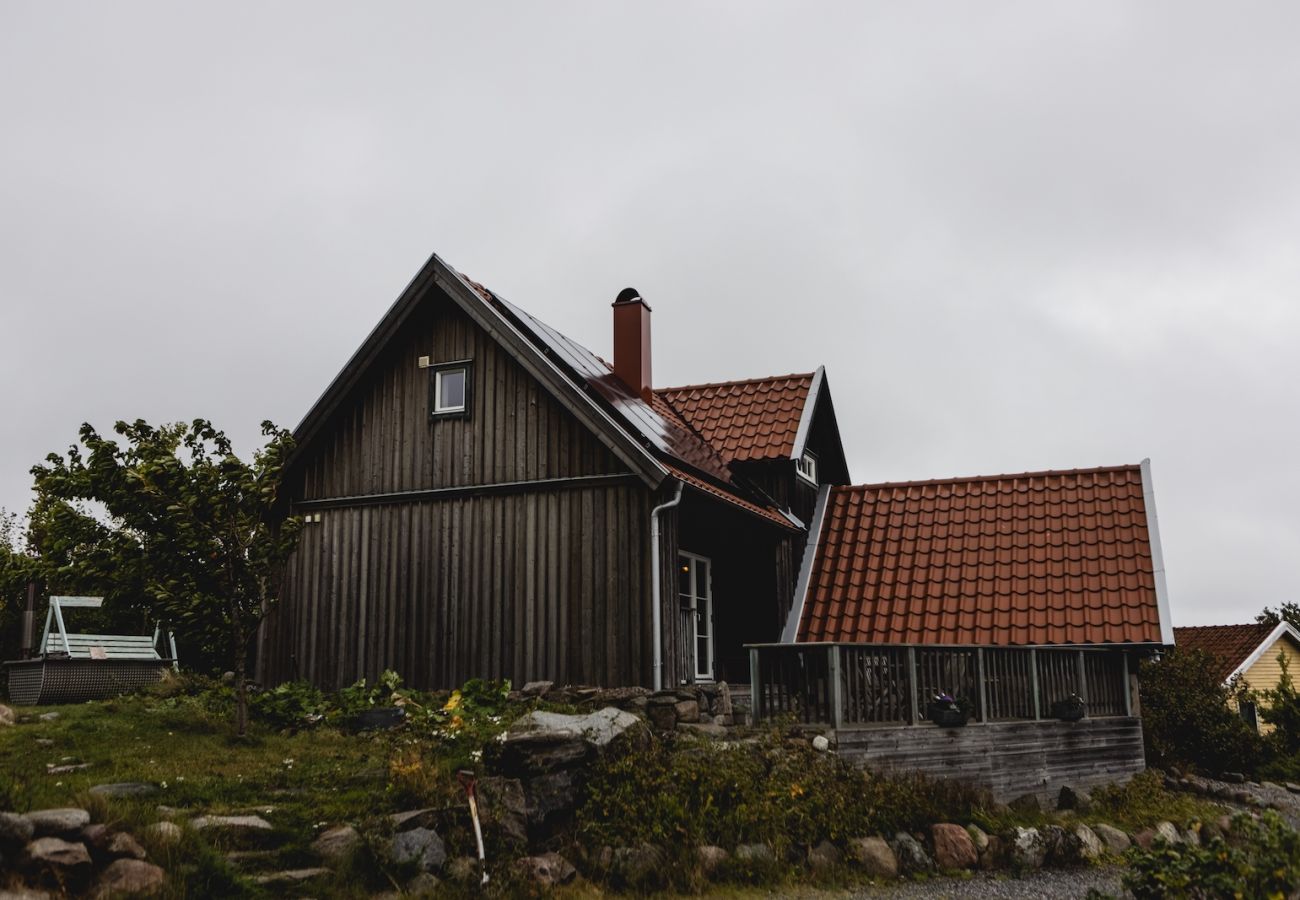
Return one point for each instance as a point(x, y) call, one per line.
point(1019, 236)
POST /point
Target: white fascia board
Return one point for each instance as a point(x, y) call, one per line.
point(1157, 555)
point(791, 631)
point(1283, 627)
point(809, 408)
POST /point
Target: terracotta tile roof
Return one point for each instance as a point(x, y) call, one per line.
point(744, 420)
point(1230, 645)
point(1038, 558)
point(766, 512)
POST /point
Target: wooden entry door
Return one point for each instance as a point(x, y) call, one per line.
point(695, 591)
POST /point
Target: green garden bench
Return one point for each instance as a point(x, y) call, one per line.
point(72, 668)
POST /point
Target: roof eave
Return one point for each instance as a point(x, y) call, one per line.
point(1283, 627)
point(1157, 555)
point(436, 273)
point(790, 634)
point(809, 410)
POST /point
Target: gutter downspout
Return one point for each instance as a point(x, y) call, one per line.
point(657, 601)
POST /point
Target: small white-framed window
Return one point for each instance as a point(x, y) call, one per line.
point(450, 389)
point(806, 466)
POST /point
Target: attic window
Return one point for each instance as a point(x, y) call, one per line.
point(806, 466)
point(450, 388)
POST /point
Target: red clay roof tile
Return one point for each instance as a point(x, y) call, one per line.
point(1229, 645)
point(744, 420)
point(1038, 558)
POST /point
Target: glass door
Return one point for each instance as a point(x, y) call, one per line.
point(696, 595)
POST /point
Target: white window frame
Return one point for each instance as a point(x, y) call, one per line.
point(806, 467)
point(439, 373)
point(703, 672)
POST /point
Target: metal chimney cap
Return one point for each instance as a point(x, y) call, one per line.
point(629, 295)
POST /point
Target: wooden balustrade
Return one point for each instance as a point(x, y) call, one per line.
point(858, 685)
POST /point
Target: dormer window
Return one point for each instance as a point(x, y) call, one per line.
point(450, 388)
point(806, 466)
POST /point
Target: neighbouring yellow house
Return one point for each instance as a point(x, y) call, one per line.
point(1250, 651)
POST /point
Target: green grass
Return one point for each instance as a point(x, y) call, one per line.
point(299, 782)
point(675, 795)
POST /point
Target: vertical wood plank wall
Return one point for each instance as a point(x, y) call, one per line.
point(549, 584)
point(527, 586)
point(382, 440)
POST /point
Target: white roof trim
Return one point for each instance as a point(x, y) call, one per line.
point(1283, 627)
point(791, 631)
point(1157, 555)
point(809, 408)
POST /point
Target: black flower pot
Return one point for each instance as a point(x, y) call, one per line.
point(945, 716)
point(1069, 710)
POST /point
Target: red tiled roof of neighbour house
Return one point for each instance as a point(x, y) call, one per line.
point(743, 420)
point(1038, 558)
point(1230, 645)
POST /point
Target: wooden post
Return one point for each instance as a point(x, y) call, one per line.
point(833, 675)
point(28, 649)
point(1083, 678)
point(1033, 680)
point(755, 690)
point(1128, 689)
point(979, 673)
point(911, 684)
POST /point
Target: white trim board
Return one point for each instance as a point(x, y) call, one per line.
point(1157, 555)
point(1265, 645)
point(791, 631)
point(809, 410)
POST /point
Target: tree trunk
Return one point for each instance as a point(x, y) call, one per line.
point(241, 686)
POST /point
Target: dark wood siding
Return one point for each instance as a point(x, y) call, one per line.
point(1009, 758)
point(528, 577)
point(544, 585)
point(381, 440)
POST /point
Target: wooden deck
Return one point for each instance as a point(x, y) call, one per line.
point(1008, 758)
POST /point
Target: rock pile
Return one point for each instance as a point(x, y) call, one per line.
point(62, 850)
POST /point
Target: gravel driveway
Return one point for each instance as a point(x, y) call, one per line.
point(1055, 884)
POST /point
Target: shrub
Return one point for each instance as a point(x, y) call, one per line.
point(1260, 859)
point(679, 793)
point(294, 704)
point(1280, 707)
point(1144, 801)
point(1187, 719)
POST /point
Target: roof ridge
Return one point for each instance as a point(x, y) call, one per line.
point(981, 478)
point(714, 384)
point(1232, 625)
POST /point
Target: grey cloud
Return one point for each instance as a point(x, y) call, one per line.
point(1019, 235)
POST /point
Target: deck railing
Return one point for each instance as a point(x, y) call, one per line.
point(857, 685)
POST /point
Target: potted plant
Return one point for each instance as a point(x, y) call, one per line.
point(1071, 709)
point(945, 712)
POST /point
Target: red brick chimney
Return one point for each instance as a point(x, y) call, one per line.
point(632, 342)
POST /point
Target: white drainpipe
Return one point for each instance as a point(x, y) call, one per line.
point(656, 601)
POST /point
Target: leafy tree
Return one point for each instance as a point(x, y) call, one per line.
point(17, 567)
point(175, 518)
point(1289, 612)
point(1188, 717)
point(1280, 707)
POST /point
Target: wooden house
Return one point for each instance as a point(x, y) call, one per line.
point(1252, 653)
point(485, 497)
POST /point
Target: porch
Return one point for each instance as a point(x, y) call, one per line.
point(875, 698)
point(841, 685)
